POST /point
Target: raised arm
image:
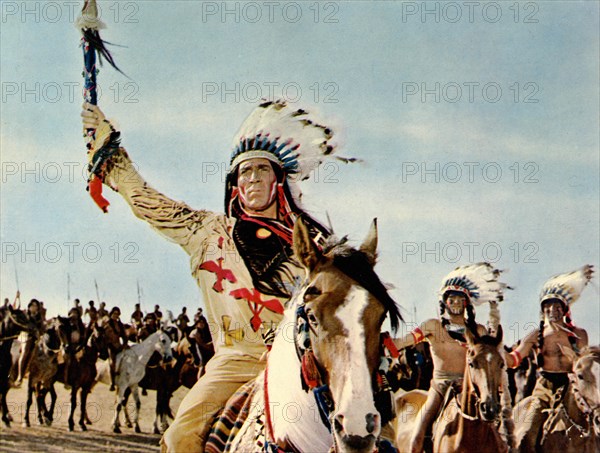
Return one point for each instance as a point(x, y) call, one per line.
point(513, 360)
point(417, 335)
point(173, 219)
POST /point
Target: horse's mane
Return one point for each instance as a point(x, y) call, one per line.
point(489, 340)
point(593, 351)
point(357, 265)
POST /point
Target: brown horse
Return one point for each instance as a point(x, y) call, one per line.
point(43, 368)
point(573, 422)
point(467, 419)
point(12, 322)
point(81, 374)
point(319, 390)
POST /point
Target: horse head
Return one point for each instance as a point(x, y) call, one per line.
point(585, 375)
point(484, 372)
point(97, 340)
point(343, 305)
point(162, 345)
point(13, 321)
point(56, 336)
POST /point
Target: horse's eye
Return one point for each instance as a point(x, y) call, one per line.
point(312, 319)
point(471, 364)
point(580, 376)
point(311, 293)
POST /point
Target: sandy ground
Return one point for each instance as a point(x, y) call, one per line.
point(99, 437)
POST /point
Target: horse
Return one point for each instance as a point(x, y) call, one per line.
point(167, 378)
point(43, 367)
point(130, 369)
point(412, 370)
point(12, 322)
point(81, 374)
point(573, 421)
point(318, 391)
point(467, 420)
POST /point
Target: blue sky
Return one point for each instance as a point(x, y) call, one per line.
point(499, 159)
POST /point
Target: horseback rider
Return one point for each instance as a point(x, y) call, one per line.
point(137, 317)
point(77, 336)
point(446, 337)
point(150, 326)
point(182, 323)
point(29, 338)
point(201, 344)
point(556, 333)
point(115, 324)
point(102, 312)
point(242, 260)
point(157, 313)
point(92, 313)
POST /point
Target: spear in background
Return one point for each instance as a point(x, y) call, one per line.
point(18, 295)
point(93, 46)
point(139, 293)
point(97, 292)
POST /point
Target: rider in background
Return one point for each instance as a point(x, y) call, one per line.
point(77, 338)
point(555, 333)
point(137, 317)
point(150, 326)
point(29, 338)
point(116, 325)
point(446, 336)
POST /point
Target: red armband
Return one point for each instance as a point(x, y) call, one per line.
point(517, 358)
point(418, 335)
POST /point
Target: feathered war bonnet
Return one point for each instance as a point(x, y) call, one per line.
point(479, 282)
point(289, 138)
point(567, 287)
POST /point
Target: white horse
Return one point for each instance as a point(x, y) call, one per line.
point(131, 367)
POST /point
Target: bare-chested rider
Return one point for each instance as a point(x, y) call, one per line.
point(555, 334)
point(446, 338)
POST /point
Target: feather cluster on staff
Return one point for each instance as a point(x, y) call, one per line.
point(92, 45)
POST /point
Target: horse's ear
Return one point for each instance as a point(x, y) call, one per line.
point(471, 340)
point(499, 334)
point(568, 352)
point(369, 245)
point(304, 248)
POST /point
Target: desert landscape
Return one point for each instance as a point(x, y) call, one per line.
point(99, 436)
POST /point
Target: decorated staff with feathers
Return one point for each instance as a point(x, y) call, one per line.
point(242, 260)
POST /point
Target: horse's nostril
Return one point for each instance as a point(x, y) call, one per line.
point(372, 422)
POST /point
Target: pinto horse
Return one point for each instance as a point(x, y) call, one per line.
point(467, 420)
point(12, 322)
point(318, 390)
point(573, 422)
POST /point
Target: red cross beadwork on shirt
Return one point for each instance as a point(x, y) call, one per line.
point(216, 267)
point(256, 304)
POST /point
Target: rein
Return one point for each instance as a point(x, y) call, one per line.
point(560, 409)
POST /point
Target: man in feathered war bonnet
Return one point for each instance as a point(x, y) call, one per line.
point(555, 334)
point(242, 260)
point(461, 289)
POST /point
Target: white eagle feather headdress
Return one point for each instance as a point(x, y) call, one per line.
point(479, 282)
point(287, 136)
point(567, 287)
